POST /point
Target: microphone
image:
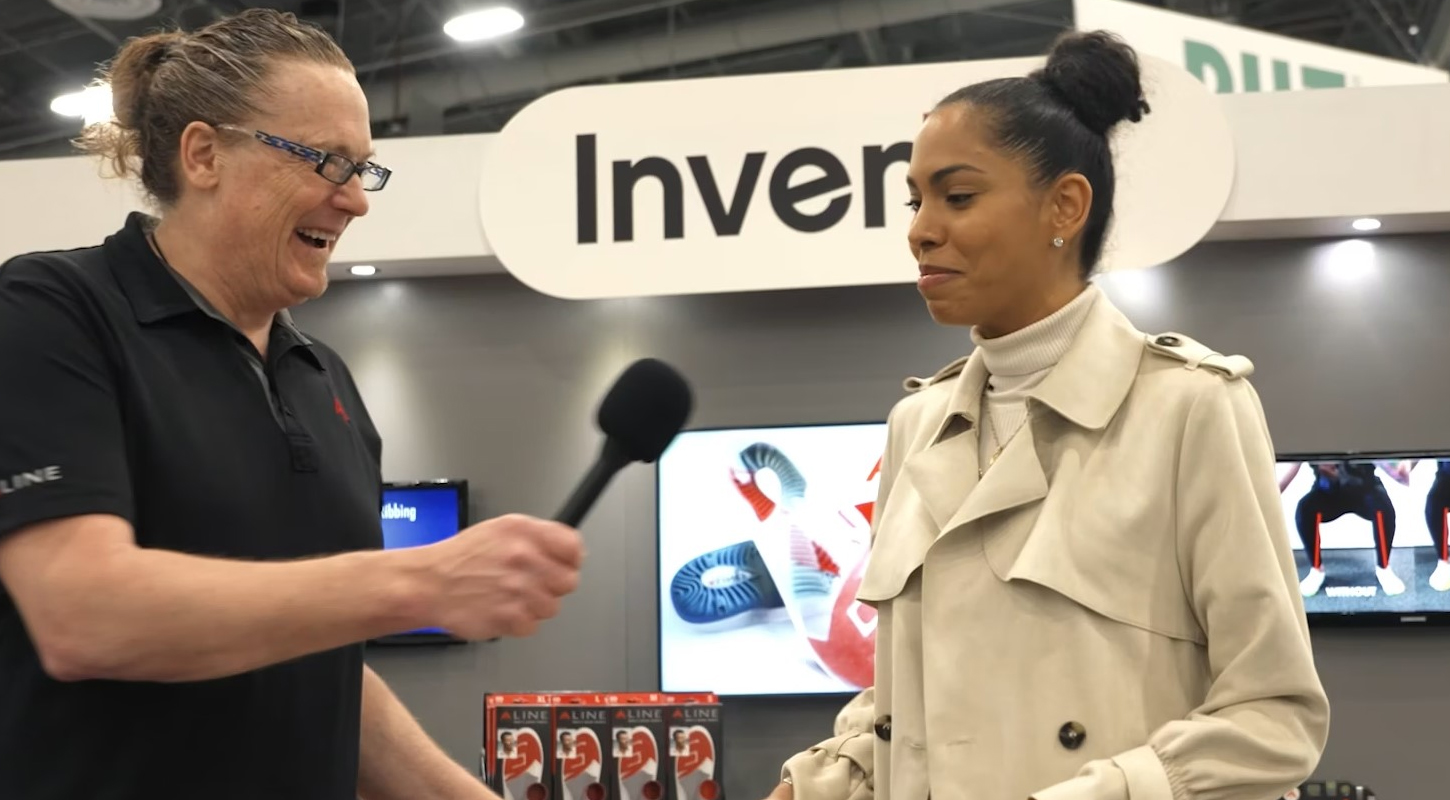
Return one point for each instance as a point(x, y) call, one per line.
point(648, 404)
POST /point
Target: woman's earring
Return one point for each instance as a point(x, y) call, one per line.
point(1057, 242)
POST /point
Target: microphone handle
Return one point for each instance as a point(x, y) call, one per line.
point(611, 460)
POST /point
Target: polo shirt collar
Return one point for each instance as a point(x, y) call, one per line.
point(156, 291)
point(154, 294)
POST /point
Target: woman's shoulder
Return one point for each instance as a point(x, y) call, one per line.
point(942, 376)
point(1177, 367)
point(1192, 355)
point(926, 397)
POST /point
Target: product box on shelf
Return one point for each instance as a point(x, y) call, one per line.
point(637, 734)
point(518, 732)
point(603, 746)
point(581, 742)
point(694, 754)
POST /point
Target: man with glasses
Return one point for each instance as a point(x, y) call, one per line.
point(190, 486)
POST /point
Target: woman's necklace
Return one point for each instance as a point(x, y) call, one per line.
point(996, 434)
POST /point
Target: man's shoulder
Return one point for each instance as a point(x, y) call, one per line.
point(49, 293)
point(60, 271)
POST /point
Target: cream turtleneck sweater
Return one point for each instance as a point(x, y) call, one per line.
point(1019, 361)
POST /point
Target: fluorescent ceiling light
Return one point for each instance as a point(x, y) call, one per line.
point(92, 104)
point(1366, 224)
point(364, 270)
point(487, 23)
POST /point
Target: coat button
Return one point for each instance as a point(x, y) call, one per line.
point(1072, 735)
point(883, 727)
point(1168, 340)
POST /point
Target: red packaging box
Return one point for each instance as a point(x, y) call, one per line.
point(518, 734)
point(694, 755)
point(637, 739)
point(582, 762)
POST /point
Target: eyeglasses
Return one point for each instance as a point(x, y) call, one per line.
point(334, 167)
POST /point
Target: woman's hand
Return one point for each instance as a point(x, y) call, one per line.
point(783, 791)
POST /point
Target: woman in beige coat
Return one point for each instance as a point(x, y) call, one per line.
point(1080, 563)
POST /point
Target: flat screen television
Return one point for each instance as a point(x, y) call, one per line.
point(420, 513)
point(1369, 536)
point(763, 532)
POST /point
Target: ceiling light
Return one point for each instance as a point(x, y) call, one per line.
point(364, 270)
point(109, 9)
point(92, 104)
point(487, 23)
point(1366, 224)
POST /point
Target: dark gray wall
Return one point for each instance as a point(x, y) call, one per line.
point(483, 378)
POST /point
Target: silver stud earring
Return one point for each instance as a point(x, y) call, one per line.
point(1057, 242)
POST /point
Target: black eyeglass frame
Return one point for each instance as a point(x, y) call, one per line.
point(341, 167)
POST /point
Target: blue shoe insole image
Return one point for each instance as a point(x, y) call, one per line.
point(722, 584)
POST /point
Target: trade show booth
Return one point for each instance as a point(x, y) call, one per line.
point(751, 232)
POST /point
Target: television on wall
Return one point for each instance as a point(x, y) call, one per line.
point(1369, 534)
point(420, 513)
point(763, 533)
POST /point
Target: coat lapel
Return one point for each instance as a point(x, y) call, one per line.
point(1085, 388)
point(1015, 480)
point(1094, 376)
point(944, 473)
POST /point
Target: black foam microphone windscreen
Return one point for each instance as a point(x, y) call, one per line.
point(647, 406)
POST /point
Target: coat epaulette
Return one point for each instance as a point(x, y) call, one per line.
point(1195, 354)
point(949, 371)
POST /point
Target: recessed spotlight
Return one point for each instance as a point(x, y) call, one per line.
point(1366, 224)
point(486, 23)
point(363, 270)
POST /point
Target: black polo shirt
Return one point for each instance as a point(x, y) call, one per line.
point(120, 394)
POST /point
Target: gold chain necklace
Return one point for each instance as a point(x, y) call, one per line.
point(1001, 444)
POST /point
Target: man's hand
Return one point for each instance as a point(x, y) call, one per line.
point(502, 577)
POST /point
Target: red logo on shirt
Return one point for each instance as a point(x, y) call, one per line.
point(341, 412)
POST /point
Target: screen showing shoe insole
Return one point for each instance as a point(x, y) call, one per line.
point(763, 534)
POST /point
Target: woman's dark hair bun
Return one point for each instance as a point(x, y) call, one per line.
point(1097, 75)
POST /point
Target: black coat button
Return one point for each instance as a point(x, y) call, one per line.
point(1168, 340)
point(1071, 735)
point(883, 727)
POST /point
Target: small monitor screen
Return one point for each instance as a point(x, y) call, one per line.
point(763, 534)
point(416, 514)
point(421, 514)
point(1369, 534)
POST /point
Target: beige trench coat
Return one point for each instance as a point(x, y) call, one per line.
point(1111, 613)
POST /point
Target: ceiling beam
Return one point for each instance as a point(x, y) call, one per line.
point(33, 53)
point(485, 81)
point(568, 17)
point(1437, 41)
point(872, 46)
point(111, 38)
point(1388, 29)
point(43, 40)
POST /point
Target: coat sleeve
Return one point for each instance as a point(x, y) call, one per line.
point(842, 767)
point(1262, 727)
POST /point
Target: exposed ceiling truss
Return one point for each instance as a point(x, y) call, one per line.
point(420, 82)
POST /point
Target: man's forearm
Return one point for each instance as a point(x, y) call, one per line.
point(152, 615)
point(398, 761)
